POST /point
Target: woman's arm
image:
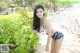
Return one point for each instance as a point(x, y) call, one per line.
point(49, 32)
point(48, 39)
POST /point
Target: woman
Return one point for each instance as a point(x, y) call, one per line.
point(39, 22)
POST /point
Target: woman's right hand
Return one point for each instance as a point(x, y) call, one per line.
point(36, 32)
point(47, 48)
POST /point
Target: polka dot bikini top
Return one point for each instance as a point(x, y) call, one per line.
point(43, 31)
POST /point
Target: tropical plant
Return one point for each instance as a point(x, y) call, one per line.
point(16, 31)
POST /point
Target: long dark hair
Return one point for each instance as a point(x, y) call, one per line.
point(36, 20)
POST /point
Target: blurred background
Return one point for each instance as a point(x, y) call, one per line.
point(16, 25)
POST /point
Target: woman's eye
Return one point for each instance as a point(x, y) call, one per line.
point(40, 11)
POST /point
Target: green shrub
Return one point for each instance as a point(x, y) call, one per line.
point(16, 31)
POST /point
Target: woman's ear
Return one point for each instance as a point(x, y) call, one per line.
point(43, 13)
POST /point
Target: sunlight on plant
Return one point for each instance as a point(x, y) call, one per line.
point(17, 31)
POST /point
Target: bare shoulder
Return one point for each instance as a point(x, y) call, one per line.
point(48, 26)
point(47, 23)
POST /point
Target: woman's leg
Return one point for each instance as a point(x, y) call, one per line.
point(55, 46)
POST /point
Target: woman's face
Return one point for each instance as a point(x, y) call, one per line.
point(40, 13)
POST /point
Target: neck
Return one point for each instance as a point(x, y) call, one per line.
point(42, 19)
